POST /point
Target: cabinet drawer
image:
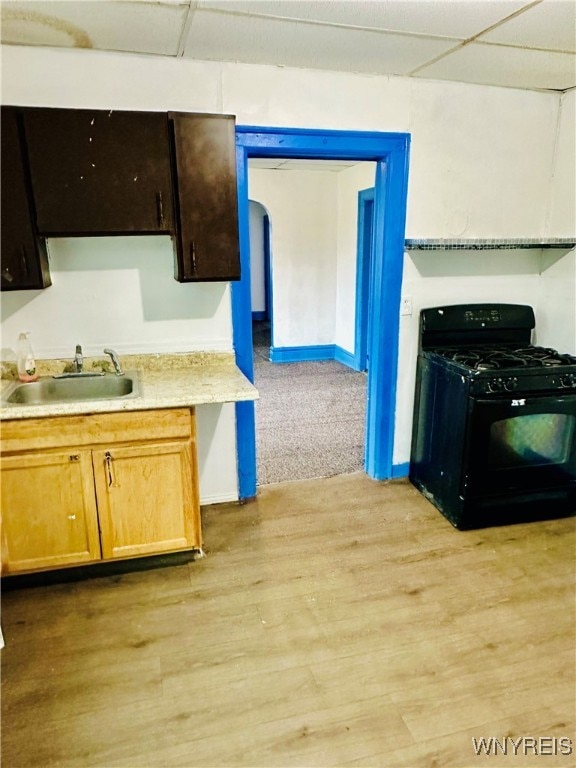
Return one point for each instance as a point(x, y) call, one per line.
point(97, 428)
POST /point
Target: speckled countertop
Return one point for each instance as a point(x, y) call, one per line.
point(166, 381)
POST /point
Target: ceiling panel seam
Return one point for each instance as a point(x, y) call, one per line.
point(186, 26)
point(518, 47)
point(474, 38)
point(330, 24)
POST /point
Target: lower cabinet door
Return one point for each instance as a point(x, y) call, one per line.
point(49, 516)
point(146, 499)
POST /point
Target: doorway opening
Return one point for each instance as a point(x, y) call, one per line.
point(310, 416)
point(390, 154)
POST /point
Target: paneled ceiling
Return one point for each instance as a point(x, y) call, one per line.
point(528, 44)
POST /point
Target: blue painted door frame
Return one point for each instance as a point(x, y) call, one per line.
point(364, 264)
point(390, 151)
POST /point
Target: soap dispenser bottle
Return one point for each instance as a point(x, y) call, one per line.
point(26, 363)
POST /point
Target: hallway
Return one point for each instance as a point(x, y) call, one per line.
point(310, 418)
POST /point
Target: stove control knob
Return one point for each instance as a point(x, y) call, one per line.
point(568, 380)
point(510, 384)
point(495, 385)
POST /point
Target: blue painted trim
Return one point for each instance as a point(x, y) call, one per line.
point(302, 354)
point(268, 273)
point(389, 225)
point(401, 470)
point(258, 316)
point(310, 143)
point(242, 340)
point(312, 353)
point(346, 358)
point(364, 259)
point(391, 152)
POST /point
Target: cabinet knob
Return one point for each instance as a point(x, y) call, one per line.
point(74, 457)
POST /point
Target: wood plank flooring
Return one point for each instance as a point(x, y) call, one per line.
point(336, 622)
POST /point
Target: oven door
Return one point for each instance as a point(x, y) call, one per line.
point(520, 444)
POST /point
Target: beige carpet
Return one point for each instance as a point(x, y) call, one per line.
point(310, 418)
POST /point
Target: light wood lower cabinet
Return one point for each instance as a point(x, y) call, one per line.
point(132, 485)
point(81, 489)
point(49, 516)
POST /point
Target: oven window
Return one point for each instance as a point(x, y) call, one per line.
point(532, 440)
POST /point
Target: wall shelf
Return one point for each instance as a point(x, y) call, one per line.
point(487, 244)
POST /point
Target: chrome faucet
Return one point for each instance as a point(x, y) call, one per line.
point(115, 361)
point(78, 359)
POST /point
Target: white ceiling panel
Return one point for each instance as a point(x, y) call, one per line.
point(128, 25)
point(258, 40)
point(551, 25)
point(445, 18)
point(512, 67)
point(514, 43)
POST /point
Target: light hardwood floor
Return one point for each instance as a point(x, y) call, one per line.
point(339, 622)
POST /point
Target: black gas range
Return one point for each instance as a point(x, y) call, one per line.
point(510, 368)
point(494, 432)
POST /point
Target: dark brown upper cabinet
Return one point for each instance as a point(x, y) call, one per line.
point(97, 172)
point(81, 172)
point(24, 257)
point(207, 243)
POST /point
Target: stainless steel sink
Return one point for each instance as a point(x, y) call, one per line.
point(74, 388)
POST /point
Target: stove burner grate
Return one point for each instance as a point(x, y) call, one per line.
point(489, 358)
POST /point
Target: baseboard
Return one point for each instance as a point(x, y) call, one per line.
point(301, 354)
point(312, 353)
point(400, 470)
point(346, 358)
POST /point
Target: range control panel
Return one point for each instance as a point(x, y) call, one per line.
point(481, 316)
point(548, 382)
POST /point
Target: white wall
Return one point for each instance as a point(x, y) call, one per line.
point(557, 298)
point(556, 304)
point(562, 206)
point(480, 161)
point(257, 257)
point(314, 223)
point(117, 291)
point(302, 207)
point(350, 182)
point(485, 162)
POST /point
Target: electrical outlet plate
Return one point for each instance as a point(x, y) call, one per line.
point(406, 305)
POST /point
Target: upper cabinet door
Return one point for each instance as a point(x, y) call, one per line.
point(24, 257)
point(100, 172)
point(207, 197)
